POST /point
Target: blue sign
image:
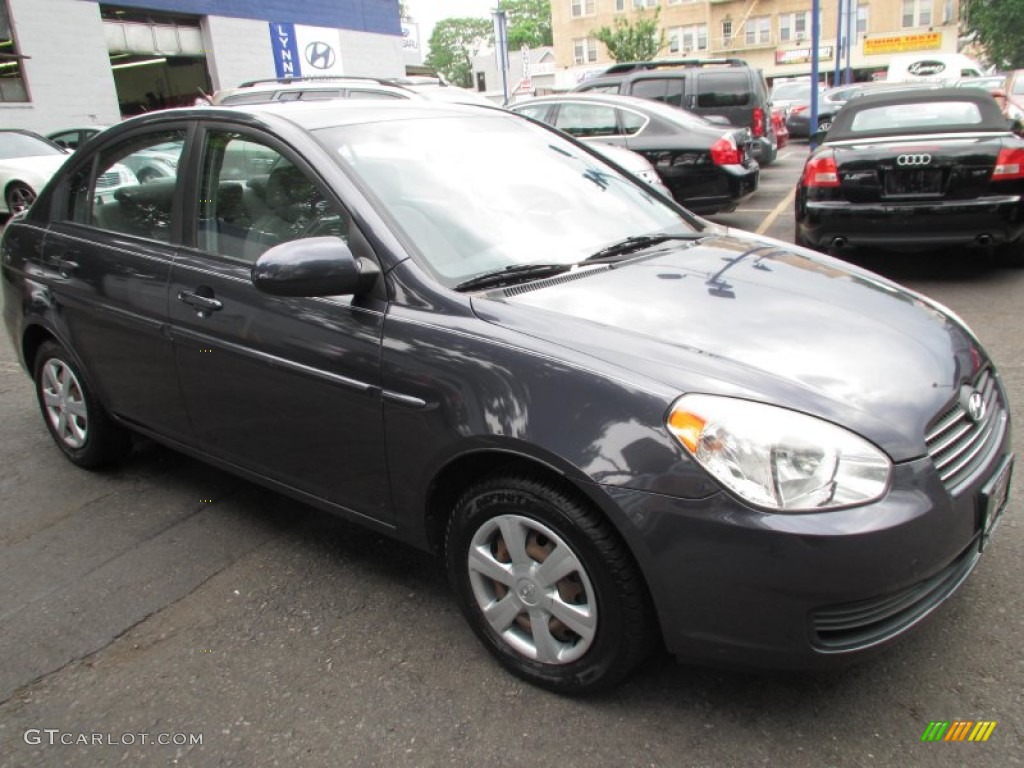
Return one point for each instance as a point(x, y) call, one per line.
point(286, 50)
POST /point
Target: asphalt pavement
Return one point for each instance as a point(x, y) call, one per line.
point(169, 602)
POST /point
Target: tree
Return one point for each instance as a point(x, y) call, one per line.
point(453, 43)
point(998, 26)
point(529, 23)
point(633, 41)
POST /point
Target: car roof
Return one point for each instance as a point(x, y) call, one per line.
point(314, 115)
point(648, 106)
point(992, 118)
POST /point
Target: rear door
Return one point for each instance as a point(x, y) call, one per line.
point(109, 254)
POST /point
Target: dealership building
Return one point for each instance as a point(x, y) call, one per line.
point(71, 63)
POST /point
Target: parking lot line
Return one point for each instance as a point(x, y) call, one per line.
point(785, 204)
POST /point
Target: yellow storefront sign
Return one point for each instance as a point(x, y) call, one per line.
point(925, 41)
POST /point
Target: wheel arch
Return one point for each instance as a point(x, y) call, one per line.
point(34, 336)
point(452, 480)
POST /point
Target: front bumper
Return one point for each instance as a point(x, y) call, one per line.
point(736, 586)
point(993, 220)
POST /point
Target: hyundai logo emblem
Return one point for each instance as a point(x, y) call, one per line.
point(907, 160)
point(976, 407)
point(320, 55)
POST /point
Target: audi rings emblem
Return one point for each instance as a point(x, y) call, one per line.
point(907, 160)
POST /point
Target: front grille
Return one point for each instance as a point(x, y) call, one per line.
point(862, 624)
point(960, 446)
point(107, 180)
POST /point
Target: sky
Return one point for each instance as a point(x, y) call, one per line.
point(428, 12)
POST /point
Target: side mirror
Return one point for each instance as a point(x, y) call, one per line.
point(313, 266)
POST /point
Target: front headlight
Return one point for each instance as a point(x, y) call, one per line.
point(777, 458)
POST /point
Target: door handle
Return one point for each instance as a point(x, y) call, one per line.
point(204, 305)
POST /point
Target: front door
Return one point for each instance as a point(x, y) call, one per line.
point(288, 388)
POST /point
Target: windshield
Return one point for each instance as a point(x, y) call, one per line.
point(14, 144)
point(474, 194)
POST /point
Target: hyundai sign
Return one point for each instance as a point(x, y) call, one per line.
point(306, 50)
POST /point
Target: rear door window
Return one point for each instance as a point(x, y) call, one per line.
point(667, 90)
point(724, 89)
point(586, 120)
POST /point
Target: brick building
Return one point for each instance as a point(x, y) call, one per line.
point(773, 35)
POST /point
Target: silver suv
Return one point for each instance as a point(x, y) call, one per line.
point(323, 88)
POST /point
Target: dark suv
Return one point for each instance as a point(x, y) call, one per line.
point(727, 88)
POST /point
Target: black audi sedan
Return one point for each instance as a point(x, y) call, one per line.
point(617, 425)
point(707, 166)
point(915, 170)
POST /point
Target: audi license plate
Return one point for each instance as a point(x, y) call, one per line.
point(994, 499)
point(924, 181)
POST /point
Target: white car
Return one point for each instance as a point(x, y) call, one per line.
point(634, 162)
point(27, 161)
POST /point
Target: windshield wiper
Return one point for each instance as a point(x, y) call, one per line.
point(636, 243)
point(512, 274)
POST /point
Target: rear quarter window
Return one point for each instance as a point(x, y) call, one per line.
point(724, 89)
point(927, 117)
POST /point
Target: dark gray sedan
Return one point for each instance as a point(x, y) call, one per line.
point(617, 424)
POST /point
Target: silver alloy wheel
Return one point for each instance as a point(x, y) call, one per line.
point(65, 403)
point(19, 198)
point(532, 589)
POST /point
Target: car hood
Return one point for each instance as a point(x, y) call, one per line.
point(758, 319)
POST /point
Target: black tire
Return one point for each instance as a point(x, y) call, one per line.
point(19, 196)
point(824, 123)
point(602, 585)
point(76, 420)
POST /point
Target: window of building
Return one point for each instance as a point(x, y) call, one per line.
point(620, 6)
point(794, 26)
point(584, 50)
point(948, 12)
point(759, 30)
point(581, 8)
point(917, 13)
point(862, 19)
point(12, 77)
point(727, 32)
point(638, 4)
point(692, 37)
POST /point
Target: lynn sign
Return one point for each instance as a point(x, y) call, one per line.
point(311, 50)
